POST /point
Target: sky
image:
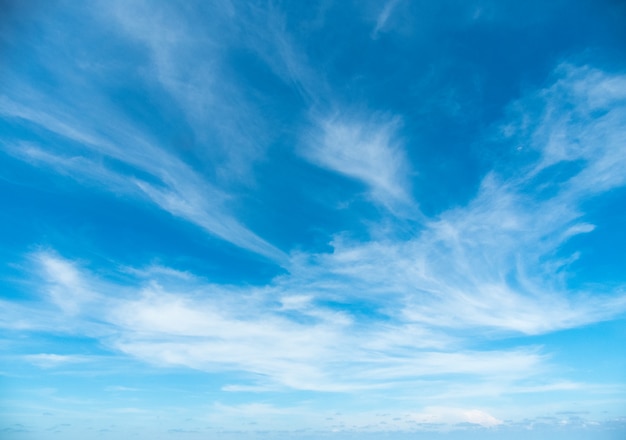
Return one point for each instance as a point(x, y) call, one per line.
point(331, 220)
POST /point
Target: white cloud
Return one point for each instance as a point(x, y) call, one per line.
point(51, 360)
point(447, 415)
point(66, 287)
point(92, 138)
point(296, 343)
point(489, 269)
point(187, 60)
point(188, 322)
point(495, 262)
point(578, 118)
point(473, 268)
point(366, 149)
point(154, 173)
point(383, 17)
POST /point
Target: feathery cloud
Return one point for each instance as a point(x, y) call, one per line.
point(365, 149)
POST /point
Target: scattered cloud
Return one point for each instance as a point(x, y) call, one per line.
point(50, 360)
point(456, 415)
point(152, 172)
point(205, 327)
point(473, 268)
point(227, 129)
point(383, 17)
point(365, 149)
point(443, 319)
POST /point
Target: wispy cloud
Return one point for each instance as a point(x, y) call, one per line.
point(383, 17)
point(203, 326)
point(150, 171)
point(436, 317)
point(578, 119)
point(66, 289)
point(227, 128)
point(368, 149)
point(455, 415)
point(486, 270)
point(97, 143)
point(51, 360)
point(494, 262)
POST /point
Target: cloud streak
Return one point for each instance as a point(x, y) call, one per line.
point(368, 150)
point(383, 17)
point(97, 143)
point(155, 174)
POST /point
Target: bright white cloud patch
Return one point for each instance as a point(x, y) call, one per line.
point(366, 149)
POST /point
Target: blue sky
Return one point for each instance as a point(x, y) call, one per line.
point(331, 219)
